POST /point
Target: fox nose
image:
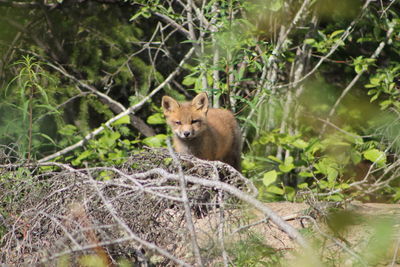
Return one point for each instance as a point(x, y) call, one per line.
point(186, 133)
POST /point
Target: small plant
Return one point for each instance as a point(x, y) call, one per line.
point(25, 107)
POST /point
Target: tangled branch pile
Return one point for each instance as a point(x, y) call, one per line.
point(132, 212)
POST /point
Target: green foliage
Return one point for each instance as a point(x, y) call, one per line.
point(25, 107)
point(361, 64)
point(324, 42)
point(382, 86)
point(321, 166)
point(297, 146)
point(109, 149)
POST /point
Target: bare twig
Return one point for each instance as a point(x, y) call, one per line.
point(221, 226)
point(188, 214)
point(172, 22)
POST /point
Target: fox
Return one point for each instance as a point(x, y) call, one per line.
point(206, 133)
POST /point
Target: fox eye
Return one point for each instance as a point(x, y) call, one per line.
point(195, 121)
point(178, 122)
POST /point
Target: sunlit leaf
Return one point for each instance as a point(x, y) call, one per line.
point(270, 177)
point(155, 141)
point(374, 155)
point(288, 165)
point(275, 190)
point(300, 144)
point(123, 120)
point(156, 118)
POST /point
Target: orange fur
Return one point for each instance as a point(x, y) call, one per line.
point(207, 133)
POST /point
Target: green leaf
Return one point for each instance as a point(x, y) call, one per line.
point(369, 85)
point(275, 159)
point(265, 139)
point(290, 193)
point(335, 198)
point(124, 120)
point(309, 41)
point(306, 174)
point(85, 154)
point(189, 80)
point(358, 69)
point(375, 155)
point(374, 98)
point(248, 165)
point(385, 104)
point(301, 144)
point(288, 165)
point(156, 118)
point(270, 177)
point(332, 174)
point(344, 186)
point(333, 34)
point(323, 184)
point(109, 139)
point(275, 190)
point(375, 81)
point(155, 141)
point(302, 186)
point(45, 136)
point(68, 130)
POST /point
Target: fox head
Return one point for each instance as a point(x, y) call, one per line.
point(188, 119)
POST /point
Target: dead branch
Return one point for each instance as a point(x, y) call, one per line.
point(138, 212)
point(185, 199)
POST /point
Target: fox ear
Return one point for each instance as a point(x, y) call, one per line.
point(169, 104)
point(200, 102)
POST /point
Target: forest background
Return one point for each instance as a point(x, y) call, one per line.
point(314, 85)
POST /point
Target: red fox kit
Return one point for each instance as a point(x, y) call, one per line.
point(206, 133)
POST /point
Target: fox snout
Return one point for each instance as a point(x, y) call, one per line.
point(185, 133)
